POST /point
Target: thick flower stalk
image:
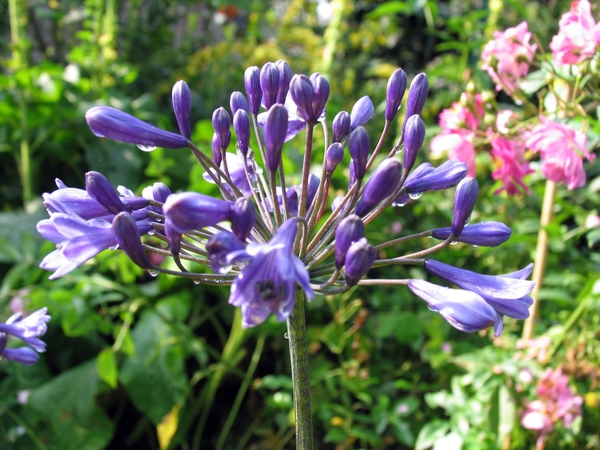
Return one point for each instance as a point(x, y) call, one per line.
point(279, 238)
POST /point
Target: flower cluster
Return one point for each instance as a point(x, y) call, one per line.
point(268, 238)
point(556, 402)
point(28, 329)
point(578, 35)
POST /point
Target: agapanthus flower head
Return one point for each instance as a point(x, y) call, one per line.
point(253, 90)
point(578, 35)
point(111, 123)
point(394, 93)
point(507, 57)
point(182, 106)
point(28, 329)
point(562, 150)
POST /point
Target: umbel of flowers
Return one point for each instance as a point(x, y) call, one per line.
point(276, 243)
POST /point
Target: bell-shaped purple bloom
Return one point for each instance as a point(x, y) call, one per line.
point(361, 113)
point(253, 90)
point(333, 156)
point(222, 250)
point(414, 135)
point(182, 106)
point(237, 101)
point(507, 294)
point(443, 177)
point(127, 234)
point(285, 76)
point(111, 123)
point(243, 217)
point(241, 126)
point(417, 94)
point(100, 189)
point(465, 198)
point(349, 230)
point(359, 259)
point(383, 182)
point(394, 93)
point(464, 310)
point(268, 283)
point(359, 146)
point(189, 211)
point(28, 329)
point(340, 126)
point(487, 234)
point(269, 83)
point(276, 127)
point(222, 123)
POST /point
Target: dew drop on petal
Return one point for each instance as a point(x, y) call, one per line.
point(146, 148)
point(415, 195)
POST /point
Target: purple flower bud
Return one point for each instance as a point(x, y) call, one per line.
point(337, 201)
point(127, 235)
point(333, 156)
point(182, 106)
point(111, 123)
point(241, 125)
point(384, 181)
point(252, 85)
point(237, 101)
point(100, 189)
point(269, 83)
point(22, 355)
point(417, 94)
point(340, 126)
point(352, 177)
point(313, 186)
point(361, 113)
point(359, 146)
point(275, 132)
point(321, 89)
point(350, 230)
point(420, 171)
point(221, 124)
point(302, 92)
point(487, 234)
point(160, 192)
point(465, 198)
point(443, 177)
point(414, 135)
point(216, 149)
point(359, 259)
point(243, 217)
point(285, 76)
point(394, 93)
point(464, 310)
point(219, 247)
point(189, 211)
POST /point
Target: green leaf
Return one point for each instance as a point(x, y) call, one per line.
point(431, 433)
point(106, 364)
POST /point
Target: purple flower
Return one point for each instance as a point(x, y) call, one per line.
point(334, 156)
point(361, 113)
point(465, 198)
point(102, 191)
point(237, 102)
point(383, 182)
point(28, 329)
point(276, 127)
point(243, 217)
point(417, 94)
point(269, 83)
point(359, 259)
point(253, 90)
point(235, 164)
point(350, 230)
point(464, 310)
point(241, 126)
point(295, 123)
point(394, 93)
point(340, 126)
point(189, 211)
point(111, 123)
point(223, 250)
point(487, 234)
point(127, 235)
point(222, 123)
point(359, 146)
point(443, 177)
point(285, 76)
point(182, 106)
point(507, 294)
point(268, 283)
point(414, 135)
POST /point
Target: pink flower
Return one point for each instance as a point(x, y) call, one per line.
point(592, 221)
point(459, 144)
point(578, 35)
point(511, 167)
point(561, 149)
point(507, 57)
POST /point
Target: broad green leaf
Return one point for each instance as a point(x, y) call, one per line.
point(106, 364)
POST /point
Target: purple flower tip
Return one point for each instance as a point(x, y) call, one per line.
point(361, 113)
point(100, 189)
point(465, 198)
point(237, 101)
point(487, 234)
point(182, 106)
point(111, 123)
point(241, 126)
point(302, 92)
point(222, 123)
point(359, 259)
point(443, 177)
point(253, 90)
point(333, 156)
point(359, 146)
point(383, 182)
point(414, 135)
point(269, 83)
point(340, 126)
point(275, 131)
point(127, 234)
point(243, 217)
point(350, 230)
point(188, 211)
point(394, 93)
point(417, 94)
point(285, 76)
point(321, 89)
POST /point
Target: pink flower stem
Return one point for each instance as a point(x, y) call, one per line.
point(541, 252)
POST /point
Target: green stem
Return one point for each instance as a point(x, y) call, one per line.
point(300, 374)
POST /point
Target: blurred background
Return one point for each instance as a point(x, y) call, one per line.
point(137, 362)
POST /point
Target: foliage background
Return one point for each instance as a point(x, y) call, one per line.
point(140, 362)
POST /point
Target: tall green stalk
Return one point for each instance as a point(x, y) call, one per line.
point(300, 373)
